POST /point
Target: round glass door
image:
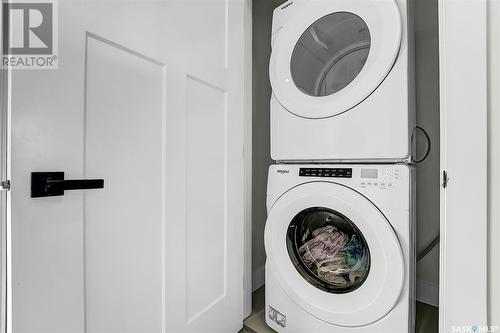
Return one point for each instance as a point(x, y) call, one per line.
point(328, 250)
point(330, 54)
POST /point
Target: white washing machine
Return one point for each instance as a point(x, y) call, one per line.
point(342, 75)
point(339, 242)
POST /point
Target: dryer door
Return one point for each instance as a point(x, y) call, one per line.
point(336, 254)
point(331, 55)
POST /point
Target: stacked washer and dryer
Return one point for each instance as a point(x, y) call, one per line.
point(339, 236)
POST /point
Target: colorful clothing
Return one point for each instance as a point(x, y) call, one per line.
point(334, 257)
point(327, 242)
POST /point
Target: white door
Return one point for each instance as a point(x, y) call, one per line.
point(464, 196)
point(149, 97)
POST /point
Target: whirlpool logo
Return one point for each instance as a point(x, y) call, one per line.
point(283, 171)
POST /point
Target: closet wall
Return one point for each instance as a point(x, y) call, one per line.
point(428, 175)
point(427, 94)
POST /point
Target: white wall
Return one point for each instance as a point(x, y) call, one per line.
point(494, 161)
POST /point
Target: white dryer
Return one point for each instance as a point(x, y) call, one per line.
point(342, 76)
point(339, 241)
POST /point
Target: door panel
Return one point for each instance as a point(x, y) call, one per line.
point(124, 223)
point(155, 107)
point(206, 220)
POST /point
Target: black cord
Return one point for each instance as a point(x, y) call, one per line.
point(434, 241)
point(428, 138)
point(428, 248)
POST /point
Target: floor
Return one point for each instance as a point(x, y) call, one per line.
point(427, 317)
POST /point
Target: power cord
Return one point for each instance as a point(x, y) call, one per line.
point(429, 145)
point(435, 240)
point(428, 248)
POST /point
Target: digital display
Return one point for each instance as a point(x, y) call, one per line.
point(326, 172)
point(369, 173)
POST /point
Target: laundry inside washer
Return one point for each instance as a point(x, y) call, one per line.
point(328, 250)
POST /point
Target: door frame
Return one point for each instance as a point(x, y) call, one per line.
point(5, 77)
point(4, 193)
point(461, 303)
point(247, 155)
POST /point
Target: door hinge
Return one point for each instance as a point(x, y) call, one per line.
point(5, 185)
point(445, 179)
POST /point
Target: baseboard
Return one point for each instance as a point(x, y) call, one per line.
point(428, 293)
point(258, 278)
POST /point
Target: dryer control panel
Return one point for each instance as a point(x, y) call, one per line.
point(387, 186)
point(382, 178)
point(326, 172)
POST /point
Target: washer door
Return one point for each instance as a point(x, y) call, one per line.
point(334, 54)
point(336, 254)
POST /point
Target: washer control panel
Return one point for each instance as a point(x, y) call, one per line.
point(383, 178)
point(326, 172)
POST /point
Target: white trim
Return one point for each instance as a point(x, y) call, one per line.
point(247, 152)
point(463, 91)
point(258, 277)
point(4, 79)
point(5, 93)
point(494, 161)
point(428, 293)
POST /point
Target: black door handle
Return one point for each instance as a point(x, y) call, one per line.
point(49, 184)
